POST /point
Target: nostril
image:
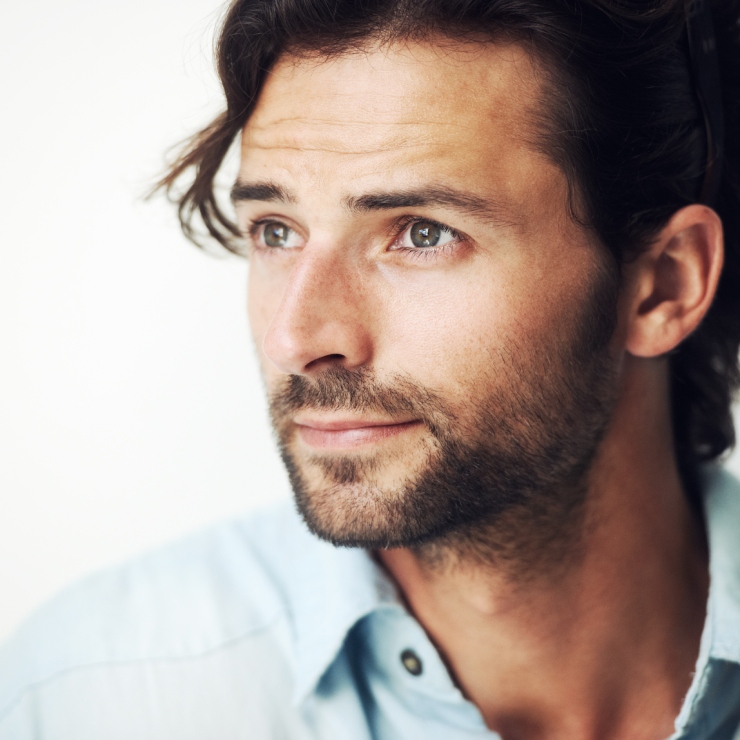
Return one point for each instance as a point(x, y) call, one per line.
point(332, 359)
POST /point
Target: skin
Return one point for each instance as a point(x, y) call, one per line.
point(606, 650)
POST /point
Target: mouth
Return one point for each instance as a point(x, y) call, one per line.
point(342, 434)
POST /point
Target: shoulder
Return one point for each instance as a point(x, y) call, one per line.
point(721, 489)
point(227, 585)
point(722, 514)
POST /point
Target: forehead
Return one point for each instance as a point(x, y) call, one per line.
point(399, 112)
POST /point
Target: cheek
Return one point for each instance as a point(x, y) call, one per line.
point(458, 336)
point(444, 332)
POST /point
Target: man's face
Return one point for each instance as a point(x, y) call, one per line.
point(431, 325)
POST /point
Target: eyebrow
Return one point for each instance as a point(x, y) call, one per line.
point(439, 196)
point(264, 191)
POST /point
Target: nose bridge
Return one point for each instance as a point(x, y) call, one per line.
point(310, 290)
point(319, 316)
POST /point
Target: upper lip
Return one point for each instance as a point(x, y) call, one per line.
point(339, 424)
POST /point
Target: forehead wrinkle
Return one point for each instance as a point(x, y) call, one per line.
point(334, 150)
point(352, 137)
point(274, 127)
point(303, 120)
point(308, 141)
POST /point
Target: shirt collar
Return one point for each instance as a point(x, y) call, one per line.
point(331, 589)
point(722, 513)
point(704, 706)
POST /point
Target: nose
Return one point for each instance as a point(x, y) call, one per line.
point(321, 319)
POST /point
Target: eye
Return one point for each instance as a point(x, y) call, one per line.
point(275, 235)
point(426, 234)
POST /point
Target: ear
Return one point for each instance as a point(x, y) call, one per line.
point(670, 287)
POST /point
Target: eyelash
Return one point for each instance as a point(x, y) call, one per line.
point(399, 228)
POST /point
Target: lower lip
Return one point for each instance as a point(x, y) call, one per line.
point(355, 437)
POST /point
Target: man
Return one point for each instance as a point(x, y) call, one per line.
point(486, 245)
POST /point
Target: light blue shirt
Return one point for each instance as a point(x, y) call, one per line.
point(254, 629)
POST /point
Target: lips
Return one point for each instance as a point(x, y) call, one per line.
point(349, 433)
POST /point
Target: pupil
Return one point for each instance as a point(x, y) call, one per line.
point(424, 234)
point(276, 235)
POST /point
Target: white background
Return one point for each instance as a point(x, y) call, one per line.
point(131, 409)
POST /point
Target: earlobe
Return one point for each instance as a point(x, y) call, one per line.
point(673, 283)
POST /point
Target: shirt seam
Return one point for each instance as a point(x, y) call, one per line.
point(230, 642)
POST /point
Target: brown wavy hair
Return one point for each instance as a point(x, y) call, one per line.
point(622, 120)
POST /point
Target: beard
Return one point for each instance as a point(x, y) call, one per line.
point(499, 478)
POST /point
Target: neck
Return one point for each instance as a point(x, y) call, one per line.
point(603, 645)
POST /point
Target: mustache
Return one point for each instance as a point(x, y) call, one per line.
point(342, 389)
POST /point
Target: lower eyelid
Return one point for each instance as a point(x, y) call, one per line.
point(428, 253)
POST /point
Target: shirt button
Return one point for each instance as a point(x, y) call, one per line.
point(411, 662)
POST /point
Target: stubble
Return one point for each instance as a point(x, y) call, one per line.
point(502, 478)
